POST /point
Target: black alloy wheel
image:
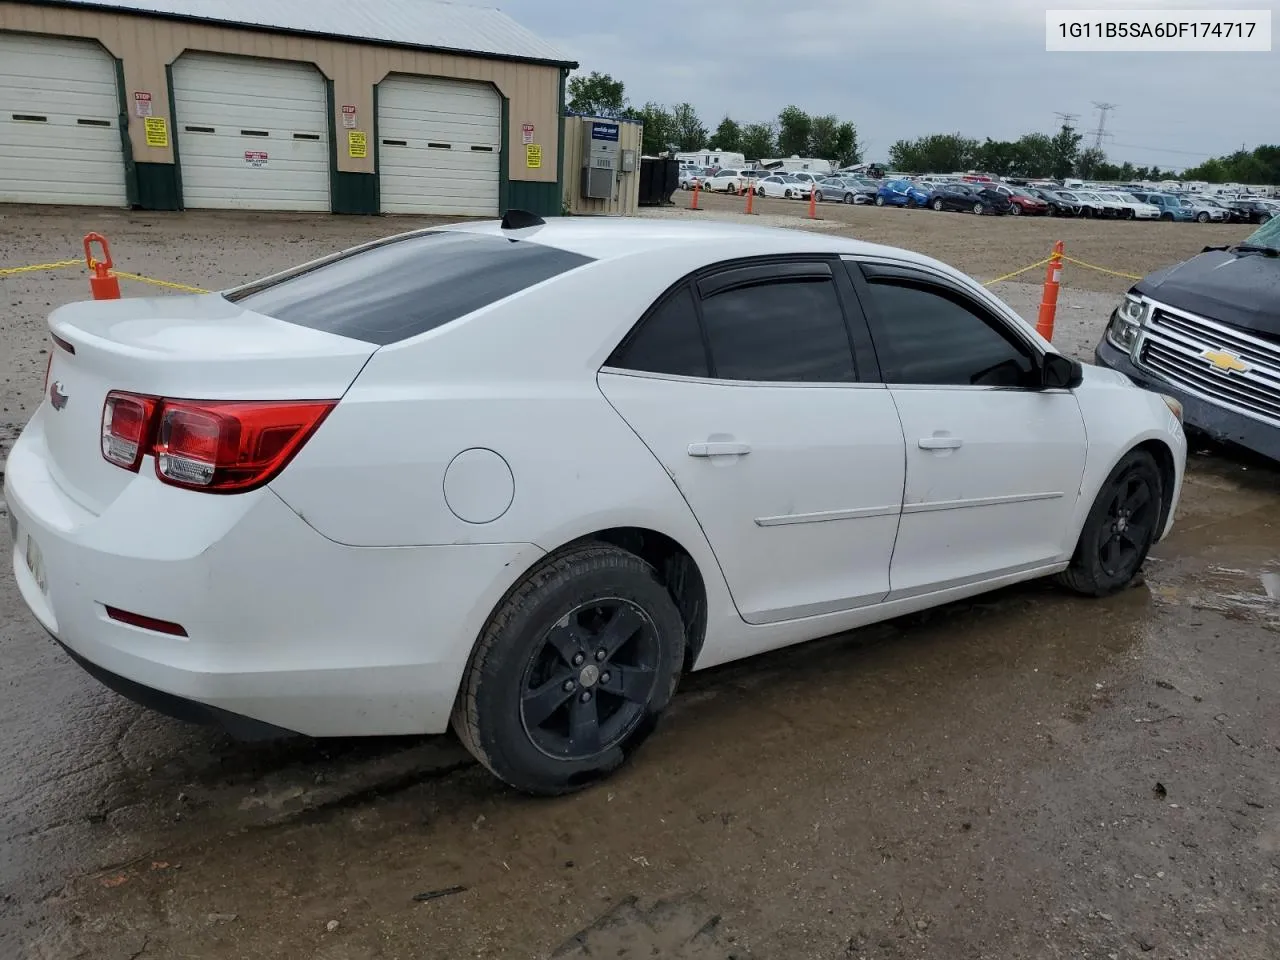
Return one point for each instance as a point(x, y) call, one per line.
point(586, 686)
point(1120, 529)
point(572, 670)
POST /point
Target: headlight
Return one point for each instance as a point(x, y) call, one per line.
point(1174, 405)
point(1125, 323)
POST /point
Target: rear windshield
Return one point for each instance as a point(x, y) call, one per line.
point(400, 287)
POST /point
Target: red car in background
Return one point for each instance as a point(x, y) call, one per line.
point(1023, 201)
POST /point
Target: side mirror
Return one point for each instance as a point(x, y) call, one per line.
point(1059, 373)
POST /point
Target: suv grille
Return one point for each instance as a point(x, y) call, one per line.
point(1175, 347)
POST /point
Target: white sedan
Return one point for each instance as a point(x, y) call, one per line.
point(520, 477)
point(781, 185)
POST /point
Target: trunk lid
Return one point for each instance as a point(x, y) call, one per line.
point(192, 348)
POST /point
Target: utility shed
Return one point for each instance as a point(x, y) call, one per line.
point(396, 106)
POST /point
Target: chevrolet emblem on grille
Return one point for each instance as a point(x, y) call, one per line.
point(1226, 361)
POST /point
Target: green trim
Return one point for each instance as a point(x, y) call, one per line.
point(564, 76)
point(228, 24)
point(330, 105)
point(157, 186)
point(173, 137)
point(377, 155)
point(126, 144)
point(504, 158)
point(536, 196)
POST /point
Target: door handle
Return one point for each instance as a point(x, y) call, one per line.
point(718, 449)
point(940, 443)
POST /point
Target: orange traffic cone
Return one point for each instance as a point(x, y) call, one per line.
point(1049, 300)
point(104, 285)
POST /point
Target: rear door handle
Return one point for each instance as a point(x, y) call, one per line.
point(940, 443)
point(718, 449)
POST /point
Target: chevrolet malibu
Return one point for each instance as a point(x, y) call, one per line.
point(517, 478)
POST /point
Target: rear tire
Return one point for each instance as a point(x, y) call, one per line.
point(1015, 209)
point(937, 205)
point(879, 201)
point(593, 622)
point(848, 198)
point(1202, 217)
point(1120, 528)
point(978, 209)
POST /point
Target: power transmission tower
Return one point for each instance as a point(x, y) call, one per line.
point(1068, 119)
point(1103, 110)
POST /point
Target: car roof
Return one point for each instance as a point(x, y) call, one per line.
point(610, 238)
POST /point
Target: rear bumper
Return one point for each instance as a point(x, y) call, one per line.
point(285, 627)
point(1220, 423)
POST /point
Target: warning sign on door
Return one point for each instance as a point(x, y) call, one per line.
point(255, 158)
point(526, 133)
point(141, 103)
point(348, 115)
point(357, 144)
point(533, 156)
point(157, 131)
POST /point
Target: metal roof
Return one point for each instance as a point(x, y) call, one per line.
point(433, 24)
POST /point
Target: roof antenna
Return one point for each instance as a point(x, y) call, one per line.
point(519, 219)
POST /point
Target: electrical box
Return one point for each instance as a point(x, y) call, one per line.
point(628, 161)
point(599, 159)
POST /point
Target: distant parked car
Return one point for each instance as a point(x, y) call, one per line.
point(1204, 212)
point(992, 200)
point(1131, 207)
point(901, 193)
point(953, 196)
point(1022, 200)
point(733, 179)
point(1089, 207)
point(806, 175)
point(1108, 207)
point(1059, 204)
point(845, 190)
point(1232, 214)
point(785, 186)
point(1170, 207)
point(689, 176)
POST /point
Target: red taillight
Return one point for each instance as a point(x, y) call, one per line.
point(146, 623)
point(126, 428)
point(219, 446)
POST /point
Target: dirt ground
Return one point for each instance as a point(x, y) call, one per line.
point(1025, 775)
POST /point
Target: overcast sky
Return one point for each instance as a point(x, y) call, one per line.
point(911, 67)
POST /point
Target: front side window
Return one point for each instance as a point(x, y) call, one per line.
point(929, 334)
point(789, 330)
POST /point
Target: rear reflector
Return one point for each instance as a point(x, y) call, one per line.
point(218, 446)
point(146, 623)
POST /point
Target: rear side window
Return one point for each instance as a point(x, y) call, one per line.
point(669, 341)
point(398, 288)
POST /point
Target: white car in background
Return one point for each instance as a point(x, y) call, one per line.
point(1107, 204)
point(1133, 208)
point(428, 481)
point(691, 176)
point(787, 187)
point(731, 180)
point(1205, 212)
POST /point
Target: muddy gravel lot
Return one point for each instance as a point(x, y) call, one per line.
point(1025, 775)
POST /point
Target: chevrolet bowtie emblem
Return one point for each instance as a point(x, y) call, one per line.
point(56, 396)
point(1226, 361)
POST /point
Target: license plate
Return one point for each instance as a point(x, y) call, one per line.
point(35, 563)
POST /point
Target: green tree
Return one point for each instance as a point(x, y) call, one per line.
point(597, 94)
point(847, 150)
point(795, 128)
point(1033, 155)
point(1089, 163)
point(823, 132)
point(728, 136)
point(936, 153)
point(690, 134)
point(659, 134)
point(1066, 152)
point(758, 142)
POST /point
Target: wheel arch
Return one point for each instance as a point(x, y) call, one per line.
point(1163, 456)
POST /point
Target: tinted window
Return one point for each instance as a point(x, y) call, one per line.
point(781, 331)
point(668, 341)
point(401, 287)
point(928, 335)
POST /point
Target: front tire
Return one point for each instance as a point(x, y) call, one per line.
point(879, 201)
point(1202, 217)
point(1015, 210)
point(978, 209)
point(572, 671)
point(1120, 529)
point(848, 198)
point(937, 206)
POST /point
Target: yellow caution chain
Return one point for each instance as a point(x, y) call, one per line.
point(9, 271)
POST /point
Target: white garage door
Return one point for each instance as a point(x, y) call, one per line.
point(59, 123)
point(252, 134)
point(439, 145)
